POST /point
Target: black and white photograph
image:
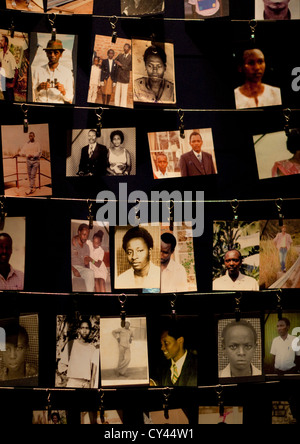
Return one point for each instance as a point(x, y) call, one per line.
point(19, 363)
point(26, 160)
point(211, 415)
point(277, 154)
point(14, 60)
point(53, 66)
point(137, 257)
point(70, 7)
point(109, 417)
point(49, 417)
point(111, 154)
point(77, 351)
point(12, 247)
point(282, 347)
point(239, 349)
point(26, 5)
point(173, 351)
point(153, 72)
point(173, 156)
point(236, 259)
point(111, 72)
point(254, 74)
point(142, 7)
point(204, 9)
point(90, 257)
point(284, 412)
point(277, 9)
point(124, 352)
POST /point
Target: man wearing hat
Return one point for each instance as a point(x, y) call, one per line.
point(53, 82)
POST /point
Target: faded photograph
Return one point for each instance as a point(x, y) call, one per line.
point(14, 62)
point(280, 254)
point(111, 73)
point(236, 256)
point(284, 412)
point(112, 154)
point(211, 415)
point(277, 154)
point(176, 416)
point(53, 68)
point(153, 72)
point(70, 6)
point(137, 257)
point(26, 160)
point(177, 262)
point(19, 363)
point(202, 9)
point(239, 348)
point(12, 248)
point(277, 9)
point(172, 156)
point(90, 258)
point(26, 5)
point(49, 417)
point(142, 7)
point(124, 352)
point(77, 351)
point(109, 417)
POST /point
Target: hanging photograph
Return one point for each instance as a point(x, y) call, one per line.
point(137, 257)
point(173, 351)
point(112, 154)
point(175, 416)
point(142, 7)
point(49, 417)
point(153, 72)
point(70, 6)
point(282, 347)
point(12, 244)
point(239, 349)
point(124, 352)
point(280, 254)
point(284, 412)
point(172, 156)
point(90, 258)
point(14, 61)
point(26, 5)
point(277, 10)
point(111, 72)
point(204, 9)
point(236, 256)
point(255, 70)
point(109, 417)
point(277, 154)
point(19, 363)
point(26, 160)
point(211, 415)
point(53, 68)
point(77, 351)
point(177, 262)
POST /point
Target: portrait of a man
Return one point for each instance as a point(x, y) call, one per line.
point(277, 9)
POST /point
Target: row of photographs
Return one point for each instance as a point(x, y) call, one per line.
point(282, 413)
point(122, 74)
point(26, 157)
point(154, 258)
point(112, 352)
point(193, 9)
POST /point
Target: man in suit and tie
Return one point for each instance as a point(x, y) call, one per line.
point(109, 71)
point(124, 62)
point(93, 160)
point(196, 162)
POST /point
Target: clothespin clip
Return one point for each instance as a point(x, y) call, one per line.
point(237, 308)
point(234, 205)
point(171, 215)
point(25, 120)
point(253, 25)
point(137, 211)
point(287, 115)
point(166, 393)
point(219, 391)
point(48, 405)
point(181, 126)
point(172, 303)
point(51, 18)
point(90, 216)
point(279, 307)
point(12, 29)
point(122, 299)
point(278, 204)
point(113, 22)
point(102, 410)
point(3, 213)
point(153, 39)
point(99, 113)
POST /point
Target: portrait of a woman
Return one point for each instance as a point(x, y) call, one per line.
point(119, 160)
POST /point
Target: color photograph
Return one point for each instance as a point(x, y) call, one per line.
point(211, 415)
point(70, 6)
point(204, 9)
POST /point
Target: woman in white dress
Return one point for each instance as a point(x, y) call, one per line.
point(119, 159)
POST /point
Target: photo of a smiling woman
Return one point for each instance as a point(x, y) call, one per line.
point(154, 72)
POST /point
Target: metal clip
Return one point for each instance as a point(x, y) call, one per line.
point(219, 391)
point(234, 205)
point(253, 25)
point(113, 22)
point(90, 216)
point(102, 410)
point(171, 214)
point(172, 303)
point(278, 204)
point(122, 299)
point(3, 213)
point(12, 29)
point(48, 405)
point(279, 307)
point(99, 113)
point(25, 120)
point(181, 126)
point(51, 18)
point(237, 308)
point(287, 115)
point(166, 393)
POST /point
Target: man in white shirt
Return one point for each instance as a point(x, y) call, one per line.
point(124, 336)
point(285, 359)
point(162, 165)
point(95, 79)
point(283, 242)
point(32, 151)
point(9, 69)
point(53, 82)
point(234, 280)
point(173, 275)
